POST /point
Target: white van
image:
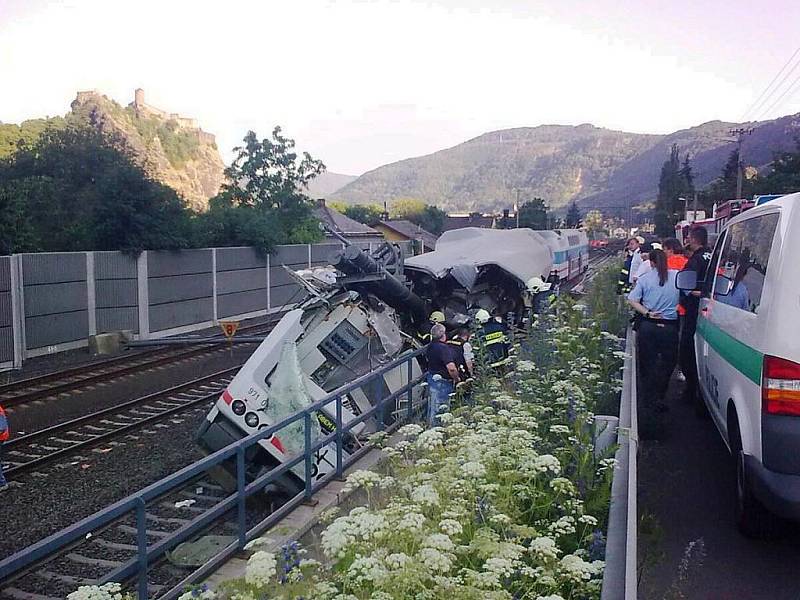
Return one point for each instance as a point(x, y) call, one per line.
point(748, 357)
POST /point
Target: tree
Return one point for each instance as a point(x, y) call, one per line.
point(593, 222)
point(533, 214)
point(427, 216)
point(676, 182)
point(368, 214)
point(263, 203)
point(75, 188)
point(573, 216)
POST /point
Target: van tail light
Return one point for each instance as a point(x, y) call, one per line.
point(780, 387)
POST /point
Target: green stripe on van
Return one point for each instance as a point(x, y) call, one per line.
point(742, 357)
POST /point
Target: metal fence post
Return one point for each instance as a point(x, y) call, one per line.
point(409, 393)
point(91, 294)
point(17, 311)
point(339, 438)
point(307, 452)
point(214, 300)
point(269, 289)
point(240, 496)
point(143, 296)
point(141, 544)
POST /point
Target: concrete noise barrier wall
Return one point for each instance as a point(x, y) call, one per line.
point(52, 302)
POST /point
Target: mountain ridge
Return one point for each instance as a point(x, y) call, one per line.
point(595, 166)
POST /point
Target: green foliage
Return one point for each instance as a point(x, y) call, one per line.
point(427, 216)
point(676, 181)
point(263, 204)
point(533, 214)
point(368, 214)
point(78, 189)
point(573, 216)
point(180, 145)
point(12, 136)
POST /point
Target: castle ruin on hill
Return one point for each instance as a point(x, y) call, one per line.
point(189, 124)
point(143, 109)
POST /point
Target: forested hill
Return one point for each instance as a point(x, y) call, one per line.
point(171, 149)
point(597, 167)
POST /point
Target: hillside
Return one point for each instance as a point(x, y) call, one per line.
point(173, 150)
point(597, 167)
point(328, 183)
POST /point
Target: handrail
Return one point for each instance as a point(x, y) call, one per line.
point(138, 565)
point(620, 576)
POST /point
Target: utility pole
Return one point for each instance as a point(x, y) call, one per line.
point(516, 208)
point(739, 133)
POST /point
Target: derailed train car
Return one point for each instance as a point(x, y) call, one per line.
point(474, 268)
point(359, 314)
point(346, 327)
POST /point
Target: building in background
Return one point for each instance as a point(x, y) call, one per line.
point(402, 231)
point(348, 228)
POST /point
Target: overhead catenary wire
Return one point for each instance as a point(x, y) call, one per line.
point(764, 96)
point(789, 90)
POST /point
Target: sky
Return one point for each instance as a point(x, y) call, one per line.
point(363, 83)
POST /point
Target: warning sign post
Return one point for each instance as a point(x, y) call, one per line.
point(229, 328)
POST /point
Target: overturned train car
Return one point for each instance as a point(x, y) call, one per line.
point(347, 327)
point(474, 268)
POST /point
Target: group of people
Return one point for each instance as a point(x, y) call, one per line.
point(665, 319)
point(451, 356)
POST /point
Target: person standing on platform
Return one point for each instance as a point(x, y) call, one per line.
point(442, 373)
point(655, 297)
point(697, 242)
point(5, 433)
point(636, 259)
point(623, 285)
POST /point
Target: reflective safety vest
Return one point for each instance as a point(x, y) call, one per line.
point(623, 284)
point(678, 262)
point(5, 430)
point(494, 343)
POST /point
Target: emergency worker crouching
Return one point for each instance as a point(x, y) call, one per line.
point(492, 340)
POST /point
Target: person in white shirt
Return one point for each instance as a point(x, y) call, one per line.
point(636, 260)
point(646, 265)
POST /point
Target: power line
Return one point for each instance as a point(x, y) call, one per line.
point(786, 91)
point(762, 98)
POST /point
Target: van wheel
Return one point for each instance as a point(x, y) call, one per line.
point(752, 519)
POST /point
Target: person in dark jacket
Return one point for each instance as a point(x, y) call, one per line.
point(442, 373)
point(624, 283)
point(697, 242)
point(492, 339)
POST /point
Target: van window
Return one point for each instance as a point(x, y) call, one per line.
point(744, 261)
point(708, 283)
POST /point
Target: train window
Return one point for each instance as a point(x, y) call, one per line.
point(744, 261)
point(573, 240)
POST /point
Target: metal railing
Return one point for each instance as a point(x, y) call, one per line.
point(137, 568)
point(620, 578)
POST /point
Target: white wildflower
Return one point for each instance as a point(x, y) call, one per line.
point(425, 495)
point(411, 521)
point(450, 526)
point(435, 560)
point(410, 430)
point(564, 526)
point(261, 567)
point(398, 560)
point(544, 548)
point(439, 541)
point(473, 469)
point(500, 566)
point(587, 520)
point(430, 439)
point(562, 485)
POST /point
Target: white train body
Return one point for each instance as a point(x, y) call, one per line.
point(570, 249)
point(336, 341)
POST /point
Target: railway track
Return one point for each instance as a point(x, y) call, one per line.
point(26, 452)
point(71, 380)
point(105, 551)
